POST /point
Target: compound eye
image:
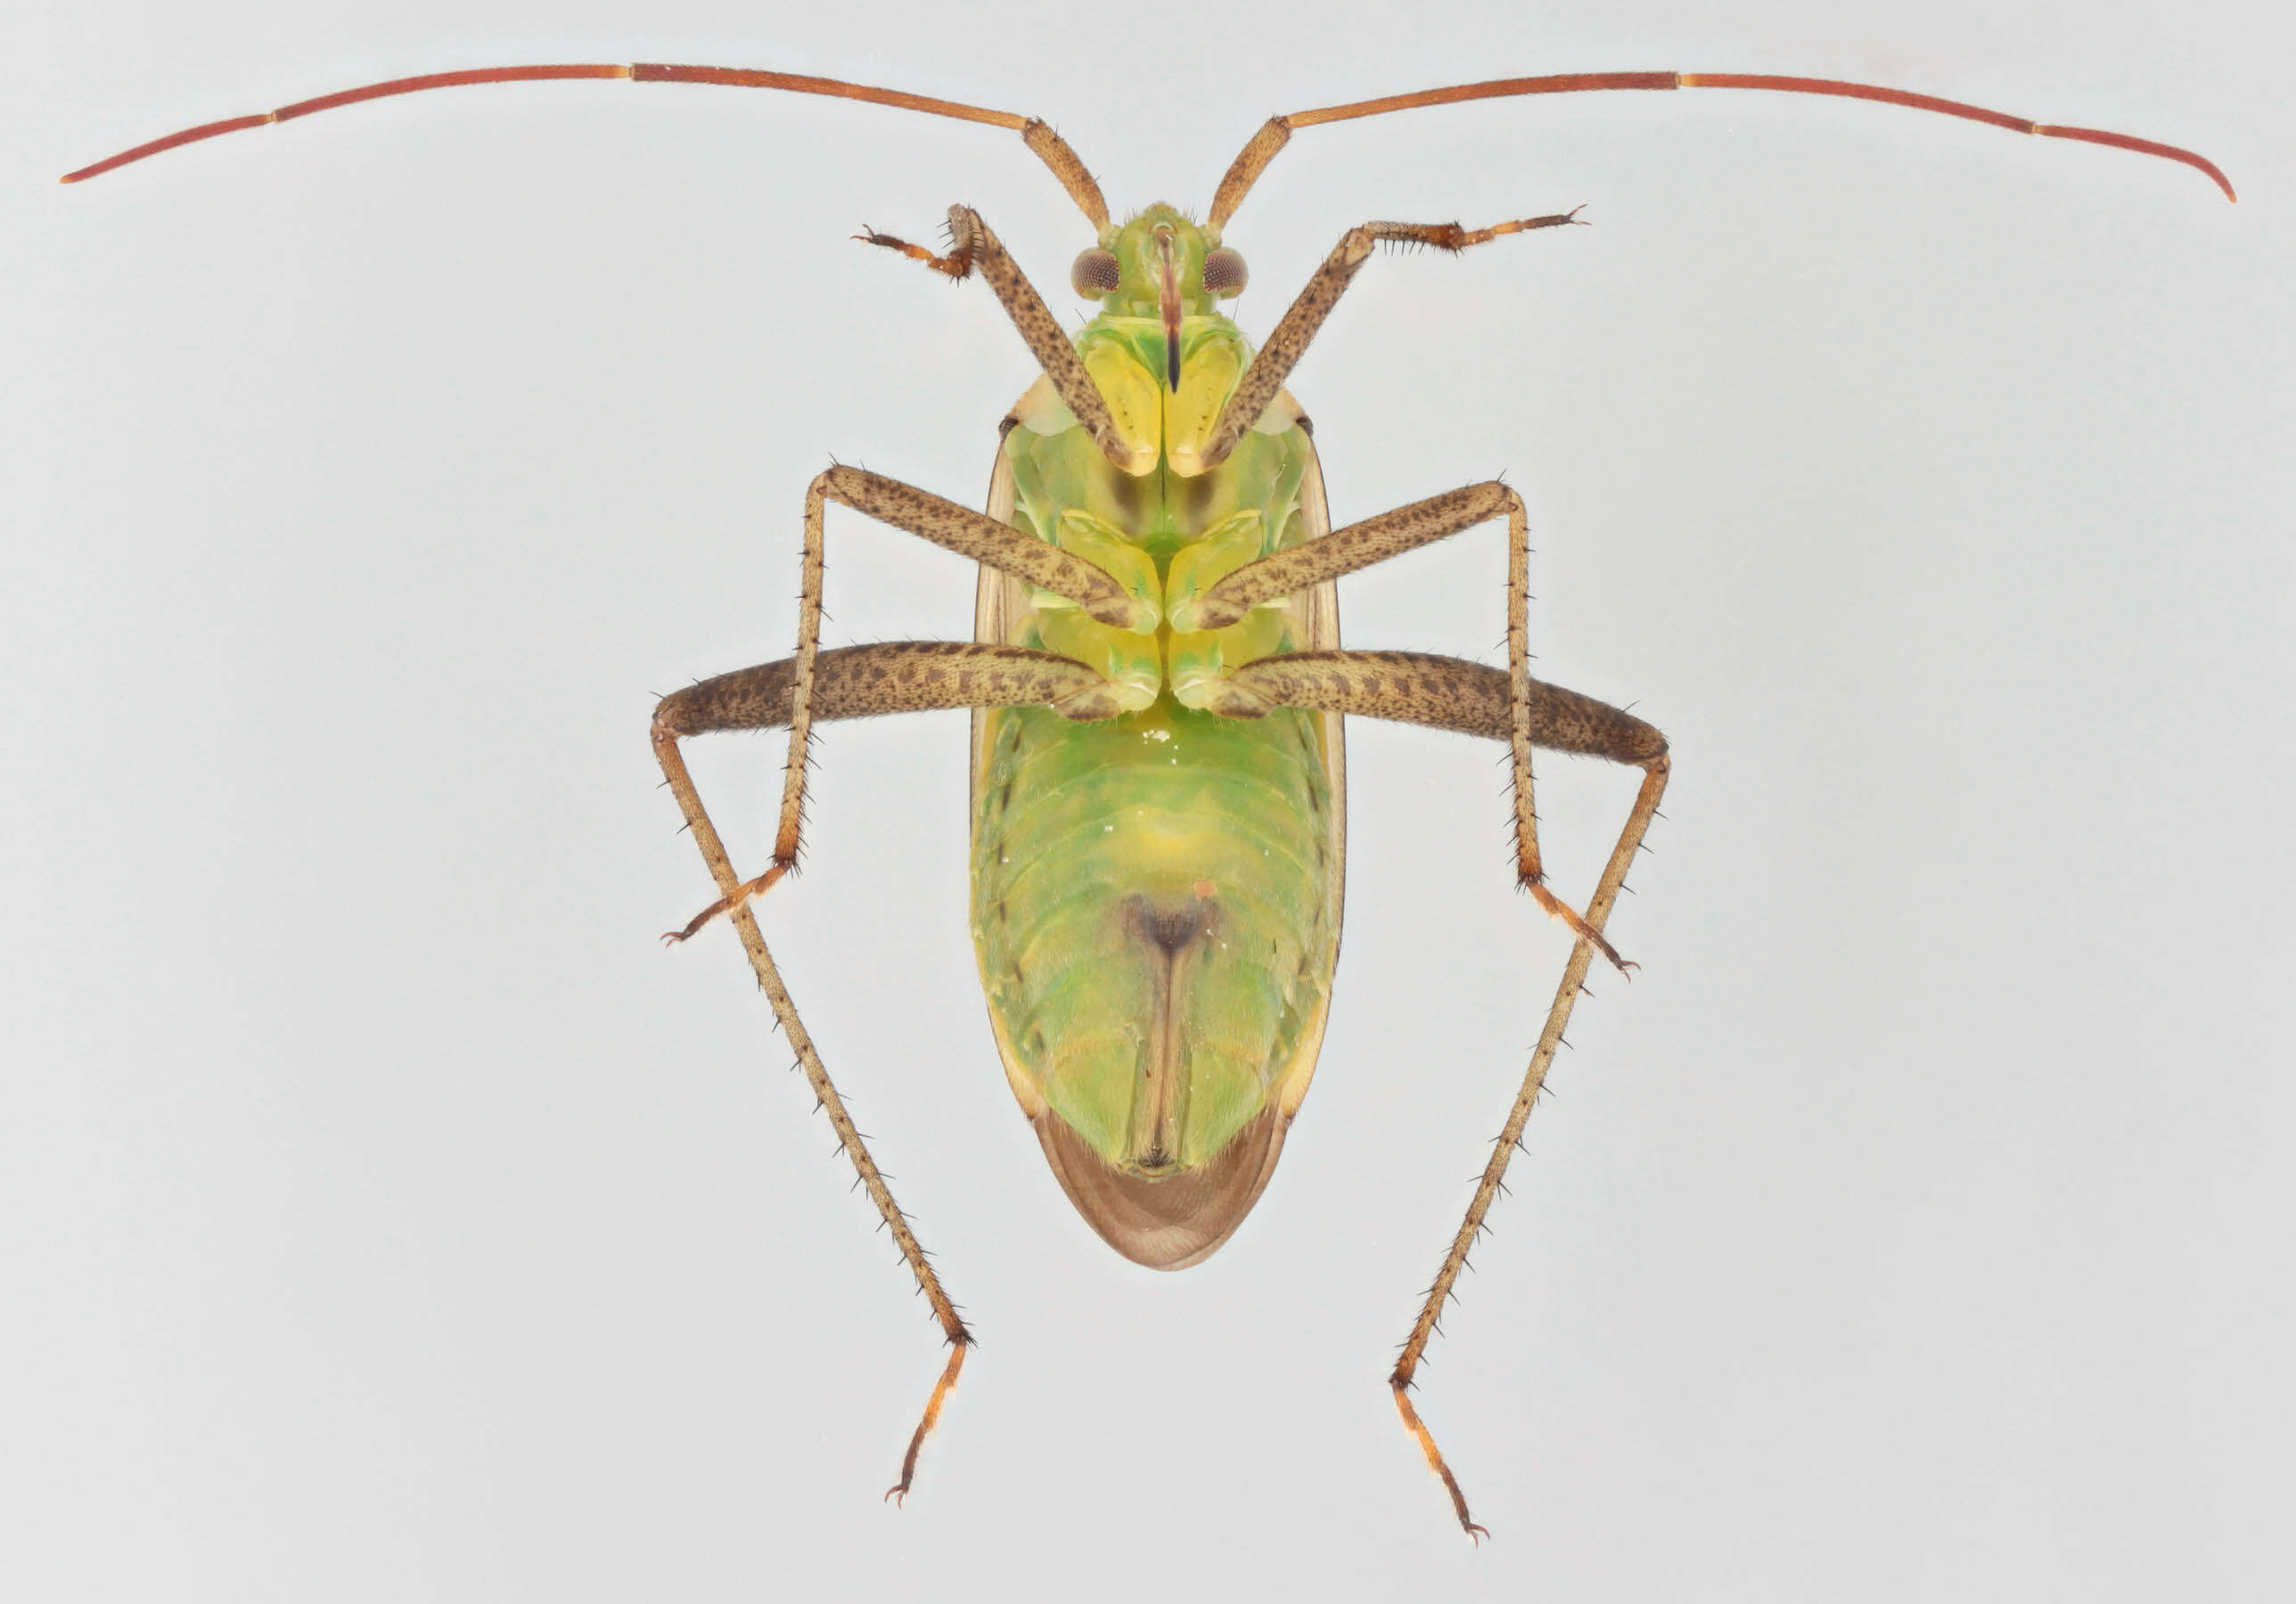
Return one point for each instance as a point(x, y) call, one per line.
point(1096, 273)
point(1225, 274)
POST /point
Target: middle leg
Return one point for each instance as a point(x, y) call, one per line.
point(1391, 534)
point(1121, 603)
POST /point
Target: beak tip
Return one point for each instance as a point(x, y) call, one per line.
point(1169, 271)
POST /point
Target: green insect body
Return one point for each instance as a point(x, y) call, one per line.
point(1156, 897)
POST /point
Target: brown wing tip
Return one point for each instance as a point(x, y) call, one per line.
point(1174, 1221)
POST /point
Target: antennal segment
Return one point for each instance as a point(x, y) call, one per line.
point(1049, 147)
point(1252, 160)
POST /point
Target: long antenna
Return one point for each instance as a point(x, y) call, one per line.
point(1243, 173)
point(1277, 131)
point(1050, 147)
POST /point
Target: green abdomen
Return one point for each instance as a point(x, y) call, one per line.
point(1155, 913)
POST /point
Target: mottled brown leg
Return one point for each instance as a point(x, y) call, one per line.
point(891, 676)
point(946, 524)
point(1286, 346)
point(1487, 1191)
point(972, 244)
point(1447, 693)
point(1441, 693)
point(1391, 535)
point(859, 682)
point(853, 682)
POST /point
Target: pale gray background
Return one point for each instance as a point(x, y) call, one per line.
point(386, 1217)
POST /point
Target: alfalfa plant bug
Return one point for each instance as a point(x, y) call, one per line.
point(1162, 926)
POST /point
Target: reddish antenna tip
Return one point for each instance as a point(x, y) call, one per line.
point(2144, 147)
